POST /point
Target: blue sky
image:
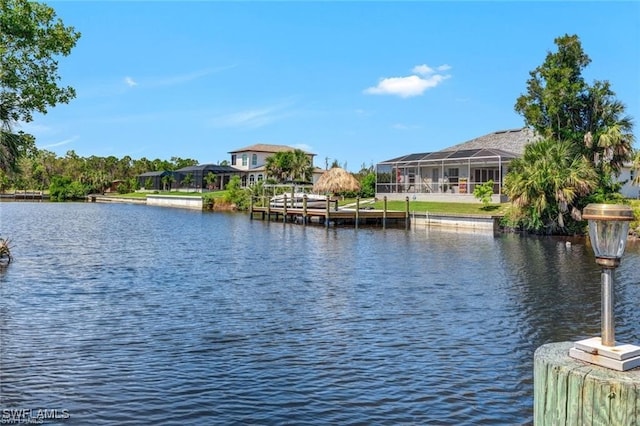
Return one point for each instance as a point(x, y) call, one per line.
point(359, 82)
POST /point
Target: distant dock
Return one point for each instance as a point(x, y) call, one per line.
point(25, 195)
point(332, 215)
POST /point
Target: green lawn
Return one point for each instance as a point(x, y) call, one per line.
point(439, 207)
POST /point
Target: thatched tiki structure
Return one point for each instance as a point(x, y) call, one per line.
point(336, 180)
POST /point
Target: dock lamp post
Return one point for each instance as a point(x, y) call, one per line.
point(608, 231)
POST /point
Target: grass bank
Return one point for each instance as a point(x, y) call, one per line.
point(440, 207)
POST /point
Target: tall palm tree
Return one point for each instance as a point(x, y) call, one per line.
point(609, 133)
point(301, 168)
point(545, 184)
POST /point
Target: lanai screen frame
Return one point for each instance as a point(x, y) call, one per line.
point(442, 158)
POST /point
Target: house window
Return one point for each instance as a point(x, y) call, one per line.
point(252, 179)
point(254, 159)
point(259, 177)
point(233, 159)
point(484, 175)
point(453, 174)
point(244, 180)
point(244, 160)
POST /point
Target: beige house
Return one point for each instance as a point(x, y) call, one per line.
point(452, 173)
point(251, 161)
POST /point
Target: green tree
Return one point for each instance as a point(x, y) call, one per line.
point(301, 167)
point(179, 163)
point(279, 165)
point(545, 185)
point(167, 181)
point(593, 133)
point(31, 40)
point(484, 192)
point(368, 185)
point(210, 179)
point(188, 180)
point(236, 194)
point(290, 166)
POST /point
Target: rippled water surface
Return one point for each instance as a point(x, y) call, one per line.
point(128, 314)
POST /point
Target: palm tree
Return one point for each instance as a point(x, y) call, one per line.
point(301, 168)
point(278, 165)
point(545, 184)
point(167, 180)
point(609, 135)
point(636, 168)
point(210, 179)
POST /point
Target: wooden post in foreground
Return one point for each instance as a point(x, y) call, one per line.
point(357, 210)
point(406, 214)
point(384, 212)
point(568, 391)
point(326, 218)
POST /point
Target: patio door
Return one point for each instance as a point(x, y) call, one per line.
point(435, 180)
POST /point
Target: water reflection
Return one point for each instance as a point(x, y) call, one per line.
point(186, 317)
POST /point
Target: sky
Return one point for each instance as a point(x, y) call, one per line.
point(354, 82)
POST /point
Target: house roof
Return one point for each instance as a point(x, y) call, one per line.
point(215, 168)
point(513, 141)
point(506, 144)
point(156, 173)
point(263, 147)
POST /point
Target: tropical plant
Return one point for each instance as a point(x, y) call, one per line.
point(483, 192)
point(188, 180)
point(547, 185)
point(563, 109)
point(31, 39)
point(167, 181)
point(237, 195)
point(636, 168)
point(210, 179)
point(289, 166)
point(368, 185)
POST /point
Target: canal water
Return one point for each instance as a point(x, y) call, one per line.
point(128, 314)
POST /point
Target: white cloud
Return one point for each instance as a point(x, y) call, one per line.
point(64, 142)
point(422, 69)
point(413, 85)
point(130, 82)
point(252, 118)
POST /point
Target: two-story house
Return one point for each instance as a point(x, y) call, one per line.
point(251, 160)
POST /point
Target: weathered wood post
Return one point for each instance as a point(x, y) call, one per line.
point(568, 391)
point(406, 214)
point(357, 210)
point(284, 209)
point(251, 208)
point(384, 212)
point(594, 381)
point(304, 209)
point(269, 210)
point(326, 215)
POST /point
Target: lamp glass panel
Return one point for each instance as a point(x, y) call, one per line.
point(608, 237)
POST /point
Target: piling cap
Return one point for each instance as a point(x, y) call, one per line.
point(607, 212)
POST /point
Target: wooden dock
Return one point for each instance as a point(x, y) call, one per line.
point(332, 215)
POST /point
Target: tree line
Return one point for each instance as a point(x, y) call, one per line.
point(585, 136)
point(585, 139)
